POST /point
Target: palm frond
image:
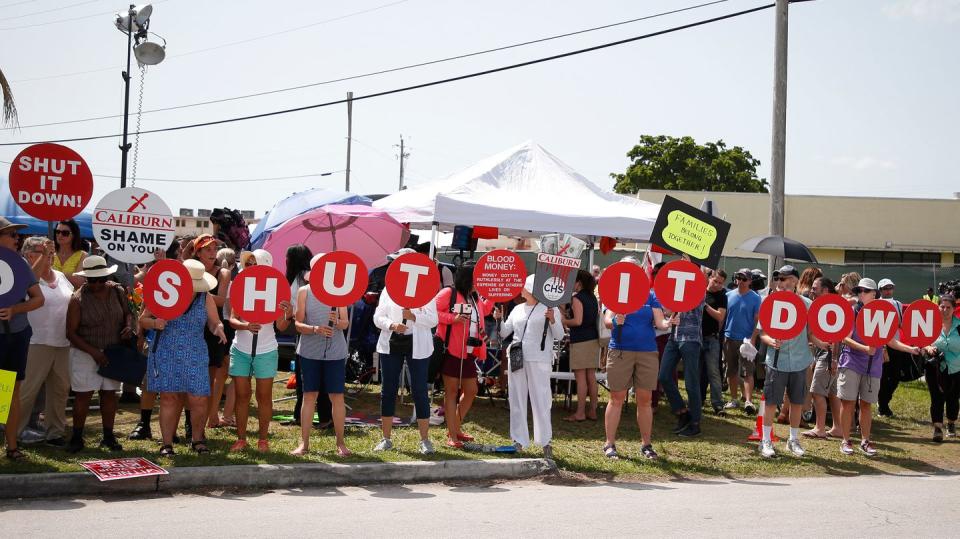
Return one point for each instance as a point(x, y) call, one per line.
point(9, 116)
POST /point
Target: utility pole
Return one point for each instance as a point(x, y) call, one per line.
point(779, 146)
point(403, 157)
point(349, 135)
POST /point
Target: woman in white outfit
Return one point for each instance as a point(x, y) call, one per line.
point(532, 324)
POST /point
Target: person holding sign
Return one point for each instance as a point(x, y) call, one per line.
point(462, 330)
point(633, 361)
point(98, 316)
point(205, 248)
point(322, 352)
point(48, 361)
point(531, 377)
point(177, 367)
point(395, 324)
point(262, 366)
point(15, 331)
point(584, 344)
point(786, 361)
point(823, 385)
point(943, 375)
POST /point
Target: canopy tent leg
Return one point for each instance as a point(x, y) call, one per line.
point(593, 246)
point(434, 234)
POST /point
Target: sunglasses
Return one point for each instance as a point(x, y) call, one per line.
point(887, 288)
point(64, 233)
point(859, 290)
point(781, 279)
point(11, 233)
point(741, 278)
point(96, 279)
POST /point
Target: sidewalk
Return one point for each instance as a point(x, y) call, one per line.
point(272, 476)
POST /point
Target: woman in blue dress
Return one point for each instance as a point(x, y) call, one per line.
point(177, 366)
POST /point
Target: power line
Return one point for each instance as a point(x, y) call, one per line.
point(17, 3)
point(215, 47)
point(422, 85)
point(243, 180)
point(49, 10)
point(58, 21)
point(385, 71)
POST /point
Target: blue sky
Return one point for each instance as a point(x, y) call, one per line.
point(872, 106)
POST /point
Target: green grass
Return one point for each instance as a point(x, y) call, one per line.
point(722, 451)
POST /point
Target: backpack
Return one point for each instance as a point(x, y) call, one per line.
point(233, 227)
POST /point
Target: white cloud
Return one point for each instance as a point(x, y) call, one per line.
point(924, 10)
point(862, 163)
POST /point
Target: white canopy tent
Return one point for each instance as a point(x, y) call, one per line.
point(524, 191)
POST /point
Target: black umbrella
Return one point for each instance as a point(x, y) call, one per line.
point(778, 246)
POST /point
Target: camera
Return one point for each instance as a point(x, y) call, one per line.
point(463, 308)
point(474, 341)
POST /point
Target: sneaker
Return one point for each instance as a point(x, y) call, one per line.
point(57, 442)
point(749, 408)
point(141, 432)
point(719, 412)
point(867, 448)
point(682, 421)
point(807, 417)
point(884, 411)
point(692, 430)
point(937, 434)
point(846, 447)
point(426, 447)
point(732, 405)
point(548, 452)
point(30, 437)
point(794, 447)
point(385, 445)
point(951, 430)
point(766, 449)
point(111, 443)
point(648, 453)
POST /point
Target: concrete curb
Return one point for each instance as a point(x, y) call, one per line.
point(272, 476)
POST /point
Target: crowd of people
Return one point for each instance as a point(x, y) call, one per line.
point(77, 315)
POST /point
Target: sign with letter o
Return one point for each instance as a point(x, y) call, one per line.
point(624, 287)
point(830, 318)
point(783, 315)
point(339, 279)
point(499, 275)
point(922, 323)
point(15, 277)
point(50, 182)
point(412, 280)
point(680, 286)
point(877, 323)
point(256, 294)
point(167, 289)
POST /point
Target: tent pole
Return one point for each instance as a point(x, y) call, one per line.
point(434, 231)
point(592, 247)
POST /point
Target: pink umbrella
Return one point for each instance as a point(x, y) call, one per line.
point(368, 232)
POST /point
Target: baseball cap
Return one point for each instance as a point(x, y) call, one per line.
point(757, 274)
point(865, 283)
point(742, 272)
point(786, 270)
point(885, 283)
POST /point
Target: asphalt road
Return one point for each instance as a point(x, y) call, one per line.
point(872, 506)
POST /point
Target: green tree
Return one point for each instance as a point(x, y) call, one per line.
point(680, 164)
point(9, 115)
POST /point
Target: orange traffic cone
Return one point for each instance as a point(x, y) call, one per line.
point(758, 429)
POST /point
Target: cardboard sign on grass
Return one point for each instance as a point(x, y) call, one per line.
point(683, 229)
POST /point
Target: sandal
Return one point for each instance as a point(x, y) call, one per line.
point(610, 451)
point(813, 434)
point(167, 451)
point(15, 454)
point(200, 447)
point(456, 444)
point(575, 419)
point(344, 452)
point(263, 446)
point(232, 422)
point(464, 437)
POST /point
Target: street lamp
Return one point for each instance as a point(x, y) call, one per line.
point(135, 22)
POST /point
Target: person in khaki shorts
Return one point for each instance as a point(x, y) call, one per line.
point(633, 362)
point(743, 307)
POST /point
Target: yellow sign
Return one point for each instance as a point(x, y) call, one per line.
point(7, 381)
point(688, 234)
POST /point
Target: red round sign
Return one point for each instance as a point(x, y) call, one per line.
point(624, 287)
point(499, 275)
point(412, 280)
point(256, 294)
point(782, 315)
point(830, 318)
point(680, 286)
point(167, 289)
point(339, 279)
point(50, 182)
point(877, 323)
point(921, 324)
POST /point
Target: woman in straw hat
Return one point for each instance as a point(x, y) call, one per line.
point(98, 316)
point(177, 366)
